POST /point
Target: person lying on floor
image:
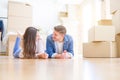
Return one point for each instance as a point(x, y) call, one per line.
point(30, 46)
point(59, 45)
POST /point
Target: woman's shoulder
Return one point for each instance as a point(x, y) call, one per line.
point(39, 41)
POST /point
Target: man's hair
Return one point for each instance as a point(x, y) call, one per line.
point(60, 28)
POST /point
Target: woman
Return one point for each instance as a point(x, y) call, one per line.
point(31, 45)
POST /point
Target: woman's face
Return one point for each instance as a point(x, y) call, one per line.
point(37, 36)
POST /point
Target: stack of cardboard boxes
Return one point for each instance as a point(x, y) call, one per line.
point(101, 41)
point(116, 23)
point(19, 18)
point(115, 11)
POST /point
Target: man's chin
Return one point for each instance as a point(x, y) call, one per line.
point(54, 40)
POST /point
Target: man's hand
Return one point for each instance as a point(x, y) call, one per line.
point(58, 56)
point(64, 55)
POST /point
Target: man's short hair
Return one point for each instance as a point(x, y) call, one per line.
point(60, 28)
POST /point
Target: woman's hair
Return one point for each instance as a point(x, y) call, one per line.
point(29, 42)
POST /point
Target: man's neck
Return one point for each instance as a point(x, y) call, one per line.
point(61, 40)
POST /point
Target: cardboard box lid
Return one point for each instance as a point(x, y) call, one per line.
point(106, 22)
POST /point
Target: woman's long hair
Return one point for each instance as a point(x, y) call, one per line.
point(29, 42)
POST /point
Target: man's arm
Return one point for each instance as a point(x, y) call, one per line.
point(49, 47)
point(70, 47)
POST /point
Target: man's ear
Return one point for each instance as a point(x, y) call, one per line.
point(63, 35)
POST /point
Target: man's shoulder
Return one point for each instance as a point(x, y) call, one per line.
point(68, 37)
point(49, 37)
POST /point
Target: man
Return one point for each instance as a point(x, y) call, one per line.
point(59, 45)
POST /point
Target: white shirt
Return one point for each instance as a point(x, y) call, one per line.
point(59, 49)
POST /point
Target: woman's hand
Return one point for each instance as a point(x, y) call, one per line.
point(42, 55)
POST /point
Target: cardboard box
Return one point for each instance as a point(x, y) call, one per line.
point(105, 22)
point(114, 6)
point(63, 14)
point(11, 43)
point(117, 39)
point(18, 24)
point(116, 21)
point(99, 49)
point(19, 9)
point(100, 33)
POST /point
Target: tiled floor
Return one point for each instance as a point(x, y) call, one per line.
point(60, 69)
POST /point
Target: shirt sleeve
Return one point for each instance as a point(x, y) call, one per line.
point(21, 54)
point(53, 55)
point(70, 54)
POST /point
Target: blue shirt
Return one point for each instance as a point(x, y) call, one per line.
point(50, 45)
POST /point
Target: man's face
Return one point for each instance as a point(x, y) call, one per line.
point(57, 36)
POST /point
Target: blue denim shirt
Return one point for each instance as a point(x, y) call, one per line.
point(50, 45)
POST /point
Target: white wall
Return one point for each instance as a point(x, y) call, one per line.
point(45, 13)
point(91, 12)
point(88, 17)
point(3, 12)
point(3, 8)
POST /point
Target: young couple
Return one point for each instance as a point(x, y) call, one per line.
point(59, 45)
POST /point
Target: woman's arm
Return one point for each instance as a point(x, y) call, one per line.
point(17, 48)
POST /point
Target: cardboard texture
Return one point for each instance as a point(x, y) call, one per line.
point(18, 24)
point(19, 9)
point(117, 39)
point(11, 42)
point(99, 49)
point(100, 33)
point(114, 7)
point(116, 21)
point(105, 22)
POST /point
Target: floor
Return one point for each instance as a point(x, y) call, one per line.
point(60, 69)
